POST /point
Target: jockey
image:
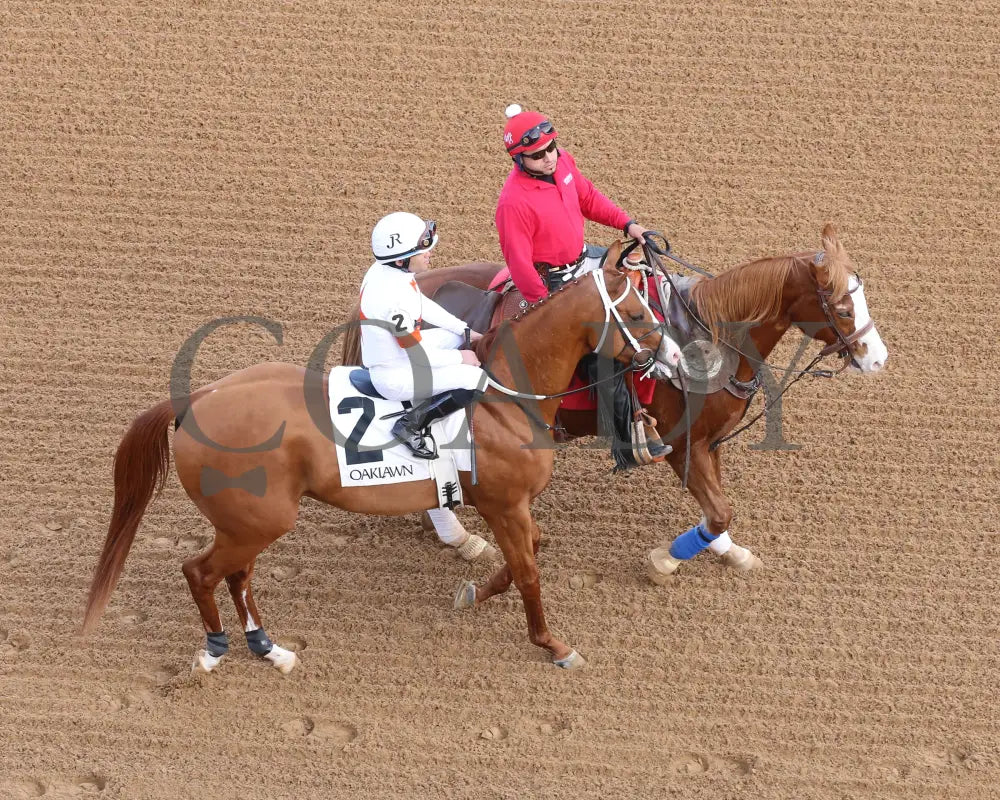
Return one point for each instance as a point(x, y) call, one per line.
point(441, 376)
point(542, 207)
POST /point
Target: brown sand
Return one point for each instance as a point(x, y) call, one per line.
point(165, 164)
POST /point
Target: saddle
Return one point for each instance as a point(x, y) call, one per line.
point(484, 309)
point(361, 380)
point(708, 366)
point(632, 430)
point(481, 309)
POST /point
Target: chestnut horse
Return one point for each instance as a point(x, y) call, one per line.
point(816, 291)
point(299, 459)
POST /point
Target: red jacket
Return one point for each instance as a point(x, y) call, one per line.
point(538, 221)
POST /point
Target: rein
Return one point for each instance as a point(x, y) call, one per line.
point(520, 397)
point(841, 348)
point(610, 309)
point(653, 251)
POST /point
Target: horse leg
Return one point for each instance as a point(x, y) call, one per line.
point(742, 559)
point(469, 595)
point(713, 529)
point(452, 533)
point(517, 534)
point(203, 573)
point(246, 608)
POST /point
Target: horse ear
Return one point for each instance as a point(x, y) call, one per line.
point(820, 265)
point(819, 269)
point(614, 253)
point(830, 240)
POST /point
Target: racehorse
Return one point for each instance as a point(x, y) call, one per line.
point(276, 400)
point(816, 291)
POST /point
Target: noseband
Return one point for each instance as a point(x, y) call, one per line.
point(843, 346)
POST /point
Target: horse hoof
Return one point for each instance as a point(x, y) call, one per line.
point(284, 660)
point(573, 661)
point(465, 597)
point(661, 566)
point(205, 661)
point(741, 559)
point(475, 548)
point(426, 523)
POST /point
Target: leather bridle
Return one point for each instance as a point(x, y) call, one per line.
point(844, 345)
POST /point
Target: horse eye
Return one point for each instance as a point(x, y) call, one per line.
point(845, 314)
point(637, 316)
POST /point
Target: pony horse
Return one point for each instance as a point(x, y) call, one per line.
point(747, 309)
point(299, 459)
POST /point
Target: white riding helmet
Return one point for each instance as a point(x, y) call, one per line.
point(400, 235)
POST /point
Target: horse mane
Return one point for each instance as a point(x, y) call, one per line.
point(752, 292)
point(749, 292)
point(835, 269)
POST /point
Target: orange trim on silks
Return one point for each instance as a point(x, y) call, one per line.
point(407, 339)
point(410, 339)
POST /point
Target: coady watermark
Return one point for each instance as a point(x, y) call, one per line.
point(702, 362)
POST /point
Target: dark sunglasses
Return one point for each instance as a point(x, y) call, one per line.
point(536, 133)
point(427, 237)
point(541, 153)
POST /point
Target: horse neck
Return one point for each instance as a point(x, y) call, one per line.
point(765, 337)
point(549, 342)
point(767, 332)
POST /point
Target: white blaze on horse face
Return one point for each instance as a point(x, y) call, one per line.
point(668, 356)
point(670, 351)
point(875, 357)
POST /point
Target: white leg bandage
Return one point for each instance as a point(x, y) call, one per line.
point(447, 527)
point(721, 545)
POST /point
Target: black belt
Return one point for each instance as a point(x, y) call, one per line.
point(544, 266)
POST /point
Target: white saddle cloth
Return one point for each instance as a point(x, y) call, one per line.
point(368, 455)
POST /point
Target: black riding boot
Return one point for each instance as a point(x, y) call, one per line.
point(623, 417)
point(411, 428)
point(615, 412)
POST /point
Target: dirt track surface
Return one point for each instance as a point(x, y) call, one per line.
point(161, 167)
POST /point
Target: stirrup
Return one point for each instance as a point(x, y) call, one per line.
point(415, 440)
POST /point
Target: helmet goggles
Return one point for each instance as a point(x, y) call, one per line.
point(532, 135)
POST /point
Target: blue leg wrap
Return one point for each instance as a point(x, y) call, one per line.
point(217, 644)
point(691, 542)
point(258, 642)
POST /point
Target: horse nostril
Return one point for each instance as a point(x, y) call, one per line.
point(877, 365)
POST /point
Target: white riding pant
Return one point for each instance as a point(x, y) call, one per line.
point(406, 380)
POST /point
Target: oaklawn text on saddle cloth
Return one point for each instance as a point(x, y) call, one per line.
point(371, 455)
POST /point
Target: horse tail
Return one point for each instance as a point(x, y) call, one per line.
point(141, 466)
point(351, 354)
